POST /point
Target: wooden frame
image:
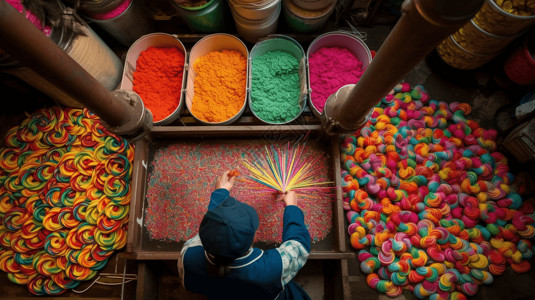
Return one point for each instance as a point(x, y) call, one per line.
point(134, 248)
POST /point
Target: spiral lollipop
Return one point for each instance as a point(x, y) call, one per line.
point(55, 170)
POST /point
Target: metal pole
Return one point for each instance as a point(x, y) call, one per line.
point(422, 26)
point(23, 41)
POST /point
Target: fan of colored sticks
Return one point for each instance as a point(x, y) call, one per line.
point(279, 170)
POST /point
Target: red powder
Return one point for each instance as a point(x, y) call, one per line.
point(158, 80)
point(330, 69)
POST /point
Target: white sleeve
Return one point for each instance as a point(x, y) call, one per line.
point(194, 241)
point(294, 256)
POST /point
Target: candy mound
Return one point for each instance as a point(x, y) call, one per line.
point(64, 199)
point(429, 201)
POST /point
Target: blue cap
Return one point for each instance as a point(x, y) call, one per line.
point(228, 230)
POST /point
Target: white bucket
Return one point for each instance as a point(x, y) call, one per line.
point(255, 10)
point(214, 42)
point(96, 58)
point(254, 30)
point(144, 42)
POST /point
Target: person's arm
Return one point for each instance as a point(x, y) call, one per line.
point(296, 239)
point(217, 197)
point(223, 186)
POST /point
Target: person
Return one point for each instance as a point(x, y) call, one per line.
point(221, 263)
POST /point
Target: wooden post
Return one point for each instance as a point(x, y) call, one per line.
point(121, 111)
point(422, 26)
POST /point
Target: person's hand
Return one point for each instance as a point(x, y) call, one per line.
point(224, 182)
point(289, 198)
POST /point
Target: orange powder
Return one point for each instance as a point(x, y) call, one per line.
point(219, 85)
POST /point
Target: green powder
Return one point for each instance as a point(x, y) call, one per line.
point(275, 87)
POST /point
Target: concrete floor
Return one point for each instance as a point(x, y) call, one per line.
point(476, 88)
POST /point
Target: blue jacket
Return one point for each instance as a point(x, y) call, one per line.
point(256, 275)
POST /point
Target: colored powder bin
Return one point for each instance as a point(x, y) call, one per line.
point(277, 43)
point(342, 40)
point(144, 42)
point(208, 18)
point(211, 43)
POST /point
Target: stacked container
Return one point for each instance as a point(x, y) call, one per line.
point(84, 46)
point(304, 16)
point(255, 18)
point(202, 16)
point(124, 20)
point(492, 29)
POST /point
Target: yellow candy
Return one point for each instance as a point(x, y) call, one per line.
point(528, 233)
point(478, 261)
point(507, 5)
point(517, 257)
point(506, 188)
point(441, 268)
point(508, 245)
point(496, 243)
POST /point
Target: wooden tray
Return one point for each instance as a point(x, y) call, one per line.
point(139, 244)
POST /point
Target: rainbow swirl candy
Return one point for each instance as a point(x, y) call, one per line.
point(64, 199)
point(429, 202)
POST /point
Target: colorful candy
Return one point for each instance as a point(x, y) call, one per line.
point(173, 212)
point(429, 202)
point(64, 198)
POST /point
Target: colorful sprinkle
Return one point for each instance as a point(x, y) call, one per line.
point(182, 177)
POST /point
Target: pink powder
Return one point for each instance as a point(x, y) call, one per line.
point(114, 13)
point(17, 4)
point(330, 69)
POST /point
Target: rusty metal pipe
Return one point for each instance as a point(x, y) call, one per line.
point(422, 26)
point(20, 39)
